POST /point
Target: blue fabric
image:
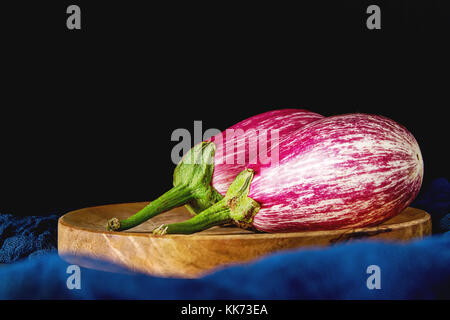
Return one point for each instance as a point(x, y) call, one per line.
point(22, 237)
point(436, 201)
point(417, 270)
point(420, 270)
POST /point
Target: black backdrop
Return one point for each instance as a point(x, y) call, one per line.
point(87, 115)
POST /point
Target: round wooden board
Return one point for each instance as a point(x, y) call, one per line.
point(82, 233)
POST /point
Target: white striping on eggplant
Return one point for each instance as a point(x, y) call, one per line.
point(227, 165)
point(344, 171)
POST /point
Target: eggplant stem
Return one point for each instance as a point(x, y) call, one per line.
point(192, 186)
point(175, 197)
point(236, 206)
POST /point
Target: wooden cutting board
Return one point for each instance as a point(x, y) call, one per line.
point(82, 233)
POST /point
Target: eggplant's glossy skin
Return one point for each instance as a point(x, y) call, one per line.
point(235, 152)
point(344, 171)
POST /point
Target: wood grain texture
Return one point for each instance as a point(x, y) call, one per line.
point(82, 233)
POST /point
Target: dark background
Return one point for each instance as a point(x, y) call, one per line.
point(87, 115)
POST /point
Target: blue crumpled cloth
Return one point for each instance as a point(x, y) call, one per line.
point(22, 237)
point(436, 201)
point(418, 270)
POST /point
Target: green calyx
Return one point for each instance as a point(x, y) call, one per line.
point(195, 171)
point(235, 207)
point(192, 187)
point(242, 208)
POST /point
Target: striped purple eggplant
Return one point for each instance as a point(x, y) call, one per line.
point(246, 139)
point(204, 174)
point(344, 171)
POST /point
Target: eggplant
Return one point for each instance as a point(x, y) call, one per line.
point(346, 171)
point(204, 174)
